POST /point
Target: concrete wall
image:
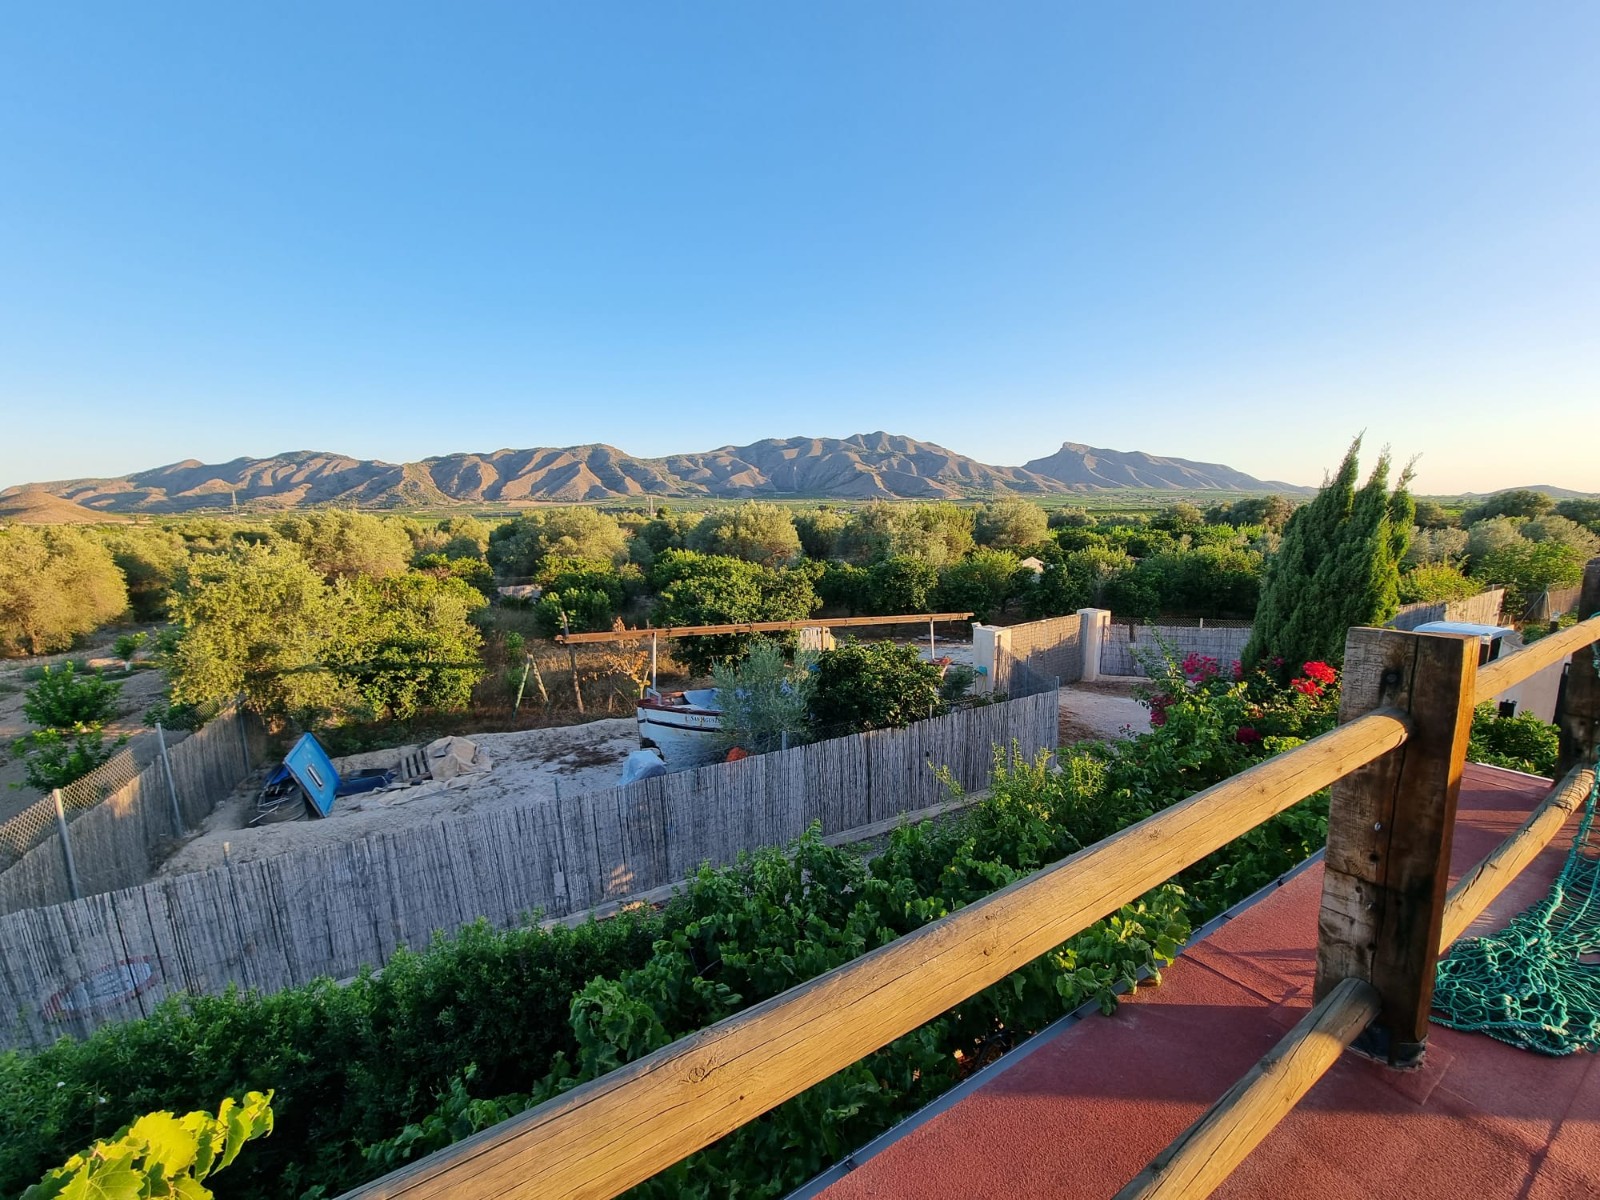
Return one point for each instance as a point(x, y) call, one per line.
point(1124, 643)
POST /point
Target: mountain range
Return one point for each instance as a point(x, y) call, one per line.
point(862, 467)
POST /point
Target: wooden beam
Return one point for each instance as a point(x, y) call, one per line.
point(678, 631)
point(1206, 1153)
point(1476, 890)
point(1389, 829)
point(605, 1136)
point(1579, 718)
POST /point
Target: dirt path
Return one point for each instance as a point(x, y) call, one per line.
point(1101, 711)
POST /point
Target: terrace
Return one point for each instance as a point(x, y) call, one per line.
point(1346, 950)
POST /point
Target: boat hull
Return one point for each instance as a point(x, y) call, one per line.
point(683, 726)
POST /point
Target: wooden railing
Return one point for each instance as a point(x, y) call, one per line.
point(1395, 763)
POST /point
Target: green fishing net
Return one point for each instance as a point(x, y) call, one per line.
point(1536, 983)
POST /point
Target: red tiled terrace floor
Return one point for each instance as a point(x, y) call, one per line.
point(1084, 1113)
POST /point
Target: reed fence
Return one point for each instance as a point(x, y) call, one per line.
point(286, 920)
point(98, 833)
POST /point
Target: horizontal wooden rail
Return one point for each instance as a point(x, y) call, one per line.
point(1503, 673)
point(1207, 1152)
point(678, 631)
point(607, 1135)
point(1476, 890)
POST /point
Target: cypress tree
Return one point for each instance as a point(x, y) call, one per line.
point(1338, 566)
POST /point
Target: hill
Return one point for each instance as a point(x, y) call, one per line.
point(35, 506)
point(1086, 468)
point(863, 467)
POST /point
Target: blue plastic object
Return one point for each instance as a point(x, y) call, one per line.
point(313, 770)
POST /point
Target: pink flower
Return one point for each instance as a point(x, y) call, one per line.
point(1238, 669)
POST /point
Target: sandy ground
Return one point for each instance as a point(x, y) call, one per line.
point(141, 691)
point(531, 765)
point(528, 765)
point(1103, 710)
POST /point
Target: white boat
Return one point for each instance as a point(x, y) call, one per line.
point(682, 726)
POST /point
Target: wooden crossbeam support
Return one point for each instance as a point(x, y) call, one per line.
point(1389, 830)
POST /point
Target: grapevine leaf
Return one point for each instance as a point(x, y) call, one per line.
point(167, 1142)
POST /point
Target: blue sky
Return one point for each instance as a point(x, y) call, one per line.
point(1232, 232)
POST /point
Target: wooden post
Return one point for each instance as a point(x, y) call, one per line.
point(66, 846)
point(653, 687)
point(172, 787)
point(572, 659)
point(1579, 717)
point(1389, 830)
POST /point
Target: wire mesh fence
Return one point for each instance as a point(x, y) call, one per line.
point(98, 832)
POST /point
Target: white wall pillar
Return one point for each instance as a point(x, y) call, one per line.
point(988, 643)
point(1093, 625)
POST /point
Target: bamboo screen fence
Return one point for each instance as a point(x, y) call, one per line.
point(114, 818)
point(269, 924)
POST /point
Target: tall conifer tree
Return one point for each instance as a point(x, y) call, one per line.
point(1338, 566)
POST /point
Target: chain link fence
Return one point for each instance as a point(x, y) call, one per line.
point(97, 833)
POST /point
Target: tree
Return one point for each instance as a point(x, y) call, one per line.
point(902, 584)
point(873, 686)
point(937, 533)
point(409, 643)
point(1433, 582)
point(1584, 512)
point(1433, 515)
point(818, 531)
point(982, 583)
point(1527, 568)
point(1338, 566)
point(1491, 534)
point(343, 543)
point(262, 623)
point(756, 532)
point(1181, 517)
point(56, 584)
point(1429, 546)
point(1520, 502)
point(1270, 512)
point(579, 597)
point(1010, 525)
point(519, 547)
point(152, 562)
point(705, 589)
point(1551, 528)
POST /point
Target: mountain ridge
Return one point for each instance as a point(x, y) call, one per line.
point(876, 465)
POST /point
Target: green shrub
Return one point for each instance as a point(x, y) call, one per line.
point(68, 698)
point(876, 685)
point(53, 758)
point(1519, 743)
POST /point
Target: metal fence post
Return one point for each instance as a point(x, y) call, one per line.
point(172, 787)
point(66, 845)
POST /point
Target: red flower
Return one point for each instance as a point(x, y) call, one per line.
point(1306, 687)
point(1246, 734)
point(1321, 672)
point(1238, 669)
